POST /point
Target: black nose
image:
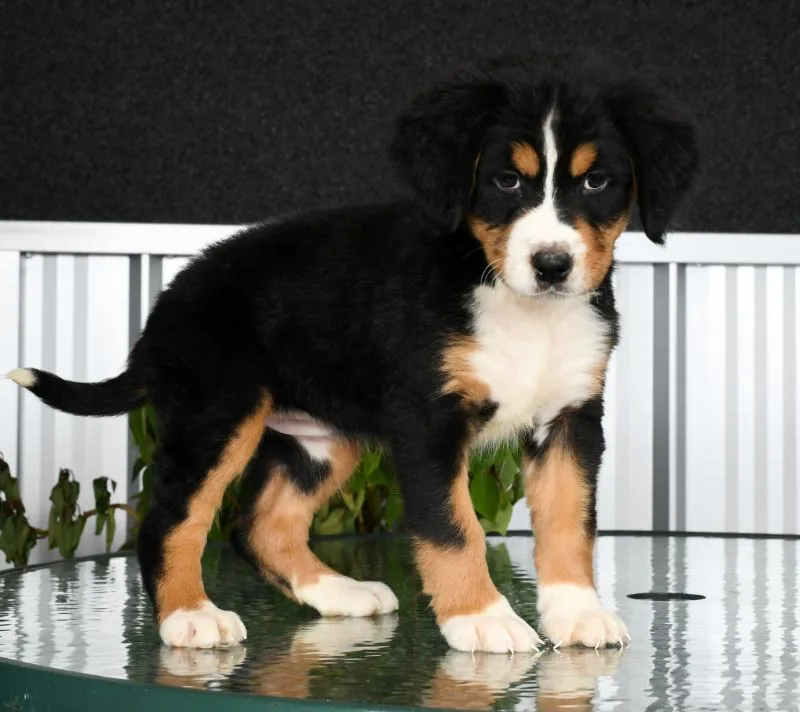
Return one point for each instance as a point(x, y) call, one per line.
point(552, 266)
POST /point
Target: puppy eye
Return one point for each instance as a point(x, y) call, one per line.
point(595, 182)
point(508, 182)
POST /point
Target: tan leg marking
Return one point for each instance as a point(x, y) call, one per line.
point(559, 499)
point(180, 585)
point(457, 579)
point(282, 517)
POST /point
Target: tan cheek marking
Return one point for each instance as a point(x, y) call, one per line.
point(599, 243)
point(494, 239)
point(180, 585)
point(282, 516)
point(460, 378)
point(559, 499)
point(582, 159)
point(457, 578)
point(525, 160)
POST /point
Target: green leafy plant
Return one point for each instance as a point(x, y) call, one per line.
point(66, 522)
point(369, 502)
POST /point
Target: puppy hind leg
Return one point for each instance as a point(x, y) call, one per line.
point(192, 479)
point(273, 532)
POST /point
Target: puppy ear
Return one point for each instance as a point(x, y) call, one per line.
point(437, 142)
point(662, 141)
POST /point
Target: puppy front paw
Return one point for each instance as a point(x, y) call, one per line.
point(205, 627)
point(496, 629)
point(574, 615)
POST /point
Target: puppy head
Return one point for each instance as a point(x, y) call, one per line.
point(542, 160)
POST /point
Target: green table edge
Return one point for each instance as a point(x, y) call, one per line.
point(31, 688)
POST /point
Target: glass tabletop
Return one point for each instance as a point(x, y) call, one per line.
point(79, 635)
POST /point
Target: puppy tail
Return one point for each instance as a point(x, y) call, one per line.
point(114, 396)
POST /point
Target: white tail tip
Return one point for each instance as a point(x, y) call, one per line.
point(23, 377)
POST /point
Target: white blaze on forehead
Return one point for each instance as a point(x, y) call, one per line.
point(550, 161)
point(540, 227)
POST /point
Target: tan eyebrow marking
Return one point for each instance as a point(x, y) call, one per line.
point(582, 159)
point(525, 159)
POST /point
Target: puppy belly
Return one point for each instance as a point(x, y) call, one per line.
point(315, 437)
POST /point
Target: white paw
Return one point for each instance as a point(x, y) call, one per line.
point(206, 627)
point(496, 629)
point(335, 595)
point(574, 615)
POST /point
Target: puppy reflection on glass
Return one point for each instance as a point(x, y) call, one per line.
point(480, 312)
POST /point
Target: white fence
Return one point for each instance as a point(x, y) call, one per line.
point(702, 397)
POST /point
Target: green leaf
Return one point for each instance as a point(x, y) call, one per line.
point(136, 424)
point(138, 466)
point(394, 506)
point(57, 498)
point(64, 536)
point(150, 418)
point(370, 462)
point(100, 522)
point(111, 529)
point(380, 476)
point(102, 494)
point(52, 529)
point(77, 532)
point(508, 471)
point(334, 523)
point(348, 500)
point(359, 500)
point(519, 488)
point(74, 490)
point(500, 523)
point(23, 532)
point(8, 536)
point(5, 475)
point(485, 495)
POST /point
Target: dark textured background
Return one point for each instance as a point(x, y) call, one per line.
point(231, 112)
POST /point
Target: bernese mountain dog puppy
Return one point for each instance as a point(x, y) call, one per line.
point(477, 313)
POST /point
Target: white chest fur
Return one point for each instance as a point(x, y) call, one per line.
point(536, 356)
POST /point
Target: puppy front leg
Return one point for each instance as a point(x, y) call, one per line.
point(561, 479)
point(450, 550)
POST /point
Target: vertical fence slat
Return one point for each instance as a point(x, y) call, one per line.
point(661, 399)
point(10, 266)
point(732, 405)
point(678, 416)
point(633, 425)
point(789, 389)
point(135, 318)
point(746, 474)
